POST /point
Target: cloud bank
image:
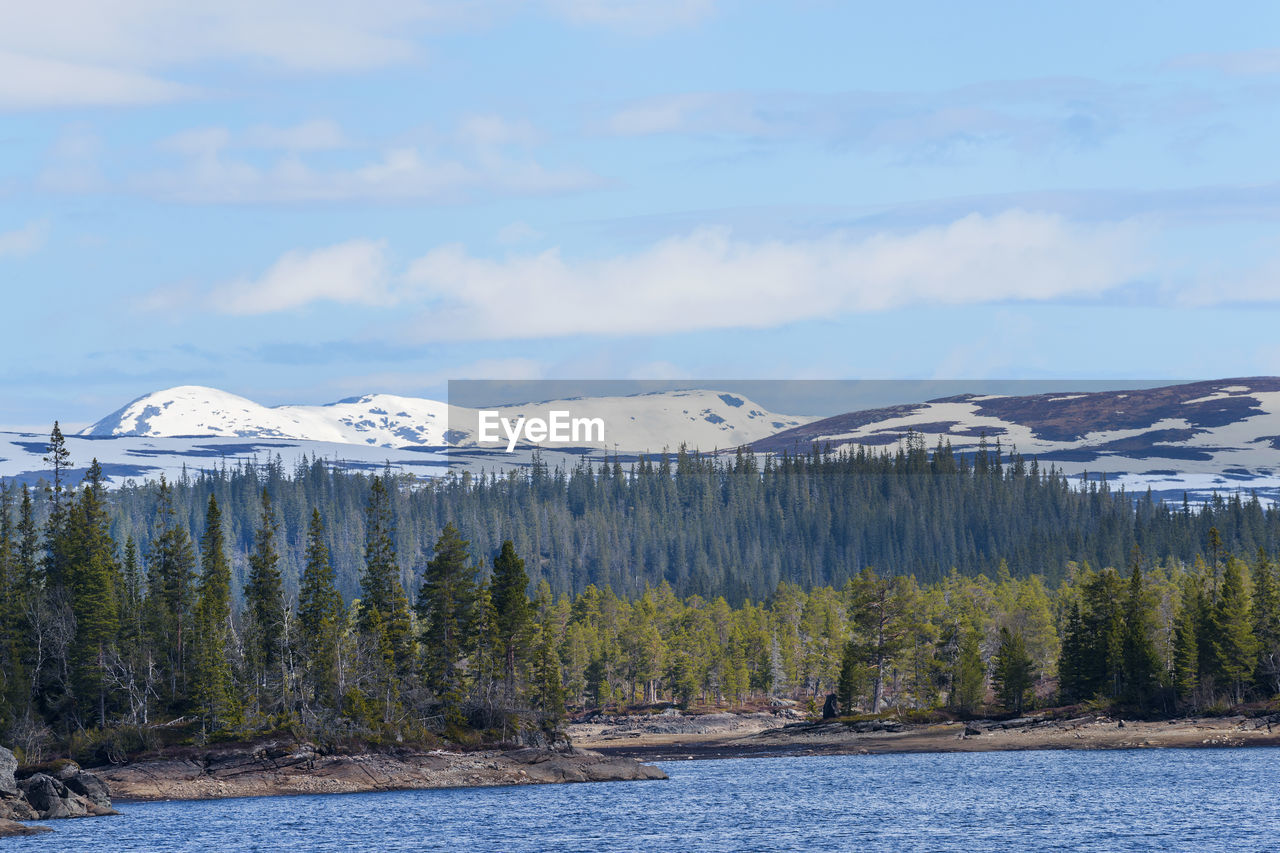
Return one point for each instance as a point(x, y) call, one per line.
point(705, 279)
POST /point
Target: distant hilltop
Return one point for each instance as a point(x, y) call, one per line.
point(1199, 437)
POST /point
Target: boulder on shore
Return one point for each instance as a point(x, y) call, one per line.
point(56, 791)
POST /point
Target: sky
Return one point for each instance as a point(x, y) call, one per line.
point(305, 201)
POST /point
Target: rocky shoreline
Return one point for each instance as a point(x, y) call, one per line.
point(282, 769)
point(883, 736)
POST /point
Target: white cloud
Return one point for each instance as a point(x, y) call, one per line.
point(25, 240)
point(35, 82)
point(351, 272)
point(708, 279)
point(703, 280)
point(89, 52)
point(304, 35)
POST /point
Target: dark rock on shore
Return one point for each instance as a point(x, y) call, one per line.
point(57, 791)
point(72, 793)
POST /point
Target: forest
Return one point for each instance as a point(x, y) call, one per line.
point(348, 606)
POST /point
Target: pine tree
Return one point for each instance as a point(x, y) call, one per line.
point(1141, 661)
point(265, 607)
point(1012, 674)
point(171, 563)
point(1266, 622)
point(550, 688)
point(28, 572)
point(969, 683)
point(1073, 664)
point(91, 578)
point(382, 570)
point(852, 680)
point(320, 613)
point(11, 615)
point(512, 613)
point(212, 684)
point(1235, 646)
point(879, 611)
point(1186, 643)
point(56, 541)
point(446, 607)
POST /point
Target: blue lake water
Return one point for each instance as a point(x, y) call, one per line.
point(1193, 800)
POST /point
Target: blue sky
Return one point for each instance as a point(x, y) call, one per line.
point(299, 202)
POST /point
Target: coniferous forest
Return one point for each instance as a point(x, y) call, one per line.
point(345, 605)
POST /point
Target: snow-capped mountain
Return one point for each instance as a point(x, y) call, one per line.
point(642, 422)
point(1201, 436)
point(381, 420)
point(191, 427)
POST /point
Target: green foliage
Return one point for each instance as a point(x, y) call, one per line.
point(512, 613)
point(702, 582)
point(266, 622)
point(1140, 661)
point(213, 687)
point(852, 681)
point(720, 526)
point(969, 682)
point(1012, 674)
point(320, 616)
point(447, 609)
point(1234, 645)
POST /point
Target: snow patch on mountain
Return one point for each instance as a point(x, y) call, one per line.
point(643, 422)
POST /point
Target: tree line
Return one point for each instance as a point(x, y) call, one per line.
point(728, 525)
point(102, 636)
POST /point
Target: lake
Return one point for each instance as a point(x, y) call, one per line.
point(1207, 799)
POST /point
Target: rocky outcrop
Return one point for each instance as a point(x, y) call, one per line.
point(275, 769)
point(72, 793)
point(58, 790)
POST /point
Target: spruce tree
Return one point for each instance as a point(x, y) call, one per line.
point(550, 687)
point(1186, 643)
point(1235, 646)
point(1141, 660)
point(265, 608)
point(446, 606)
point(852, 680)
point(381, 567)
point(1266, 622)
point(171, 566)
point(91, 578)
point(212, 685)
point(320, 613)
point(512, 612)
point(57, 543)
